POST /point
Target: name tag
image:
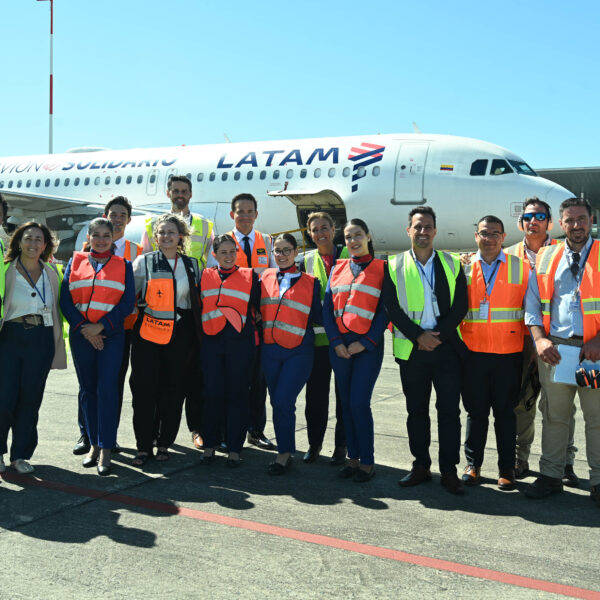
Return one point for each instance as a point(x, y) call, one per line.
point(574, 304)
point(263, 260)
point(436, 308)
point(47, 316)
point(484, 310)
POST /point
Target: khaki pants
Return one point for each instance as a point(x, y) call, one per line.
point(557, 411)
point(526, 416)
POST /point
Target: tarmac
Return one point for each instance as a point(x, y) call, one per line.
point(182, 530)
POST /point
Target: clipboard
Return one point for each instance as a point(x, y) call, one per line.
point(564, 371)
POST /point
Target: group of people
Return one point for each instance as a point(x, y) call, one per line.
point(209, 320)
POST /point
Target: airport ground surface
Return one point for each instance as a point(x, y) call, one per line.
point(181, 530)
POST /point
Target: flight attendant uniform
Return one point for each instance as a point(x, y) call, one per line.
point(230, 301)
point(290, 302)
point(98, 293)
point(164, 336)
point(352, 312)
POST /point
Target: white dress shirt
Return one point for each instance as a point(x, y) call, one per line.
point(26, 300)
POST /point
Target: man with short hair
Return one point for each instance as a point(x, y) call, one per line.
point(535, 221)
point(493, 332)
point(425, 296)
point(179, 192)
point(561, 309)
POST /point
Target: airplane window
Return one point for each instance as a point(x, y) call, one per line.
point(290, 173)
point(276, 174)
point(224, 176)
point(236, 175)
point(140, 178)
point(212, 176)
point(346, 171)
point(117, 179)
point(263, 174)
point(19, 183)
point(107, 181)
point(317, 173)
point(376, 171)
point(38, 182)
point(200, 176)
point(28, 184)
point(47, 183)
point(500, 167)
point(361, 172)
point(76, 181)
point(97, 181)
point(331, 172)
point(152, 178)
point(523, 168)
point(249, 175)
point(302, 173)
point(128, 180)
point(1, 184)
point(10, 183)
point(86, 181)
point(56, 182)
point(189, 176)
point(478, 167)
point(67, 181)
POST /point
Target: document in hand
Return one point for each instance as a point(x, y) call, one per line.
point(564, 371)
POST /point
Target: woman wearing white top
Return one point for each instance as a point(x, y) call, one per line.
point(31, 341)
point(164, 336)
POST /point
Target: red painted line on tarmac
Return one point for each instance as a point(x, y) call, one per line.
point(312, 538)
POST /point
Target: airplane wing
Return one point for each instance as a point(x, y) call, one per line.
point(321, 200)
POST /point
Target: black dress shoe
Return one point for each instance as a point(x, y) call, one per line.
point(338, 458)
point(276, 468)
point(595, 495)
point(521, 469)
point(347, 472)
point(569, 478)
point(207, 460)
point(418, 474)
point(362, 476)
point(82, 446)
point(312, 454)
point(544, 486)
point(223, 448)
point(233, 463)
point(258, 439)
point(117, 449)
point(88, 462)
point(452, 483)
point(103, 470)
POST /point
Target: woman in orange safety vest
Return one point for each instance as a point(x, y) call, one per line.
point(290, 303)
point(164, 337)
point(230, 300)
point(355, 320)
point(97, 295)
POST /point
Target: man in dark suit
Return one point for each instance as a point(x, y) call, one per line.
point(425, 295)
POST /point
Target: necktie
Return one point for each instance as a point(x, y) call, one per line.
point(575, 264)
point(247, 250)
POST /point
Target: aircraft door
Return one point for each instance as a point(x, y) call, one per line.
point(152, 184)
point(410, 168)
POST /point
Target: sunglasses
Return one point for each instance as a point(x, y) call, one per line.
point(539, 216)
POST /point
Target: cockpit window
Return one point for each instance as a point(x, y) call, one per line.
point(479, 167)
point(500, 167)
point(522, 168)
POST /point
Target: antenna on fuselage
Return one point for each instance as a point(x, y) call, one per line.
point(416, 128)
point(227, 138)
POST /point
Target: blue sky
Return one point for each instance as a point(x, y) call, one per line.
point(141, 73)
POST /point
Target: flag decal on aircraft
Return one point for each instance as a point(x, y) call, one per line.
point(446, 167)
point(364, 156)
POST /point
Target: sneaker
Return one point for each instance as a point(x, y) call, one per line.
point(21, 466)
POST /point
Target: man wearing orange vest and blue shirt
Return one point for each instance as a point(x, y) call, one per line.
point(561, 307)
point(118, 212)
point(493, 331)
point(535, 221)
point(254, 250)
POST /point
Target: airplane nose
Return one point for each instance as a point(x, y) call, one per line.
point(555, 196)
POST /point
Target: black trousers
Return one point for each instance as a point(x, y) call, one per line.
point(194, 396)
point(317, 401)
point(258, 394)
point(442, 369)
point(491, 381)
point(158, 383)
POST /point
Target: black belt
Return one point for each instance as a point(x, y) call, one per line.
point(29, 321)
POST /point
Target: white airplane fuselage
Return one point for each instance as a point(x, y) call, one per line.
point(377, 178)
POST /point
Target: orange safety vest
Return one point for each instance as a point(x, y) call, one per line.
point(225, 300)
point(260, 252)
point(285, 319)
point(131, 252)
point(518, 249)
point(95, 294)
point(355, 299)
point(501, 331)
point(589, 290)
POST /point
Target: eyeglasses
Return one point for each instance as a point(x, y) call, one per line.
point(488, 235)
point(538, 216)
point(283, 251)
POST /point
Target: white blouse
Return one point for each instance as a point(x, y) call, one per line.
point(26, 300)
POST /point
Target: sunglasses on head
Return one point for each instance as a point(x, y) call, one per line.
point(539, 216)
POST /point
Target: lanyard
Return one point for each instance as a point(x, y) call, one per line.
point(489, 279)
point(43, 292)
point(427, 279)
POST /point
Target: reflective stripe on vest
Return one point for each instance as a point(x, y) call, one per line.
point(285, 319)
point(314, 265)
point(96, 293)
point(261, 251)
point(501, 331)
point(159, 295)
point(355, 298)
point(547, 262)
point(411, 294)
point(225, 300)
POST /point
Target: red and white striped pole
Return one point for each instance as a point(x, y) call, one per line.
point(51, 113)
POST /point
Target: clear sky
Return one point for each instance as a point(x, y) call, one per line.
point(145, 73)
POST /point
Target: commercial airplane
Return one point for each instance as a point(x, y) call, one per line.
point(378, 178)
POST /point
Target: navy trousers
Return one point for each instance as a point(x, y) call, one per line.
point(25, 359)
point(226, 369)
point(356, 377)
point(286, 371)
point(98, 374)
